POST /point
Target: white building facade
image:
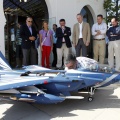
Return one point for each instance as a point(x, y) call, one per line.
point(66, 9)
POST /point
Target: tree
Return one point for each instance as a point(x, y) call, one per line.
point(112, 8)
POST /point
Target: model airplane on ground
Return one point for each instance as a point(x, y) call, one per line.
point(42, 85)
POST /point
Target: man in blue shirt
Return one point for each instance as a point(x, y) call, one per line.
point(54, 46)
point(114, 44)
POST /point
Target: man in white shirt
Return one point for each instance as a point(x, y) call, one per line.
point(99, 45)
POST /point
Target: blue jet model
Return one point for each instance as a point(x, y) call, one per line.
point(41, 85)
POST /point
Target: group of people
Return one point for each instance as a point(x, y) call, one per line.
point(102, 36)
point(58, 41)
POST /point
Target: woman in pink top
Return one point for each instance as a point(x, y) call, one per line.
point(46, 42)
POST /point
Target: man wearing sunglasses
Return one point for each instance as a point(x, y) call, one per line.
point(28, 35)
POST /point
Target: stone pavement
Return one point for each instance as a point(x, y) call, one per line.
point(105, 106)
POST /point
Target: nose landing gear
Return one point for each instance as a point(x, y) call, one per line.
point(91, 93)
point(90, 99)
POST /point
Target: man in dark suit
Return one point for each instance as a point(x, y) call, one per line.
point(63, 42)
point(28, 35)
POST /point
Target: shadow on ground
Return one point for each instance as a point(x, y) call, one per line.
point(103, 98)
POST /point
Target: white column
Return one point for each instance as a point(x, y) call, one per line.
point(2, 24)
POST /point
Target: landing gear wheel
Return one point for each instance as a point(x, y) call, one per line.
point(90, 99)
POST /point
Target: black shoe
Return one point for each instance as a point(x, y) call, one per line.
point(59, 68)
point(17, 66)
point(54, 68)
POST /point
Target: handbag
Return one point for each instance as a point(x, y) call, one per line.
point(44, 39)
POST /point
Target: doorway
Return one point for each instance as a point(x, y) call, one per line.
point(16, 12)
point(87, 17)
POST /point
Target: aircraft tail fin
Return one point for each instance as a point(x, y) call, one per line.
point(4, 65)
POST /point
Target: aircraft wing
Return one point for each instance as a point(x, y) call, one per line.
point(12, 83)
point(38, 69)
point(34, 67)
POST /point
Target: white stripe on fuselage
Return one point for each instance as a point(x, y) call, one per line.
point(107, 80)
point(72, 71)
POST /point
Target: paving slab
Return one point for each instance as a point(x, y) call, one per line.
point(105, 106)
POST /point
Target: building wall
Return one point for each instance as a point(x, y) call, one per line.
point(68, 9)
point(2, 24)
